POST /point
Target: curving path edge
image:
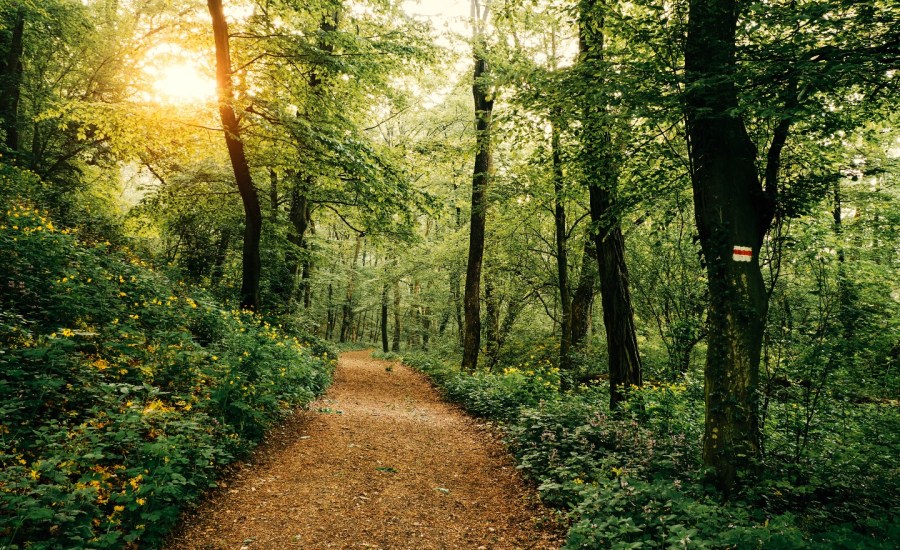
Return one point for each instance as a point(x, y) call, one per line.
point(379, 462)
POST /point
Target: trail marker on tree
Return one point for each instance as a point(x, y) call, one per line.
point(742, 254)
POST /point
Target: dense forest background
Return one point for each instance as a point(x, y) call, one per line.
point(661, 247)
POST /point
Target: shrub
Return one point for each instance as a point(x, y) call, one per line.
point(123, 393)
point(627, 512)
point(633, 479)
point(497, 396)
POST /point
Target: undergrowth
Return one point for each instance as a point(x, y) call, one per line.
point(633, 479)
point(123, 393)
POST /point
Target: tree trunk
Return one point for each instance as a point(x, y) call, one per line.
point(298, 258)
point(416, 316)
point(618, 315)
point(330, 316)
point(583, 297)
point(492, 320)
point(733, 213)
point(384, 317)
point(395, 347)
point(846, 312)
point(480, 180)
point(347, 318)
point(11, 81)
point(249, 197)
point(562, 258)
point(456, 290)
point(602, 166)
point(426, 327)
point(504, 328)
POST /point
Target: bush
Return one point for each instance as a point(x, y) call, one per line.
point(497, 396)
point(122, 393)
point(633, 479)
point(626, 512)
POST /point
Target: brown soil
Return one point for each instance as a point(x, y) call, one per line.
point(379, 462)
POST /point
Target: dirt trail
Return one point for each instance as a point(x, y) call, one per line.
point(379, 462)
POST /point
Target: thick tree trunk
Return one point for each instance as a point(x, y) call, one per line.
point(11, 81)
point(249, 197)
point(562, 257)
point(601, 169)
point(618, 315)
point(484, 105)
point(733, 213)
point(583, 297)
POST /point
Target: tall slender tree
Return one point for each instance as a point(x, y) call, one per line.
point(601, 166)
point(484, 105)
point(240, 166)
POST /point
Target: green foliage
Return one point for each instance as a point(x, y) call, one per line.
point(121, 392)
point(628, 512)
point(633, 479)
point(491, 395)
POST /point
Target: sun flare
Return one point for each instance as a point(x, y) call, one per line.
point(183, 83)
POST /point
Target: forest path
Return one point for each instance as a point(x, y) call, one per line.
point(379, 462)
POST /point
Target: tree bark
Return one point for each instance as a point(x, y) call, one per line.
point(732, 210)
point(562, 258)
point(601, 169)
point(484, 105)
point(384, 317)
point(11, 80)
point(249, 197)
point(330, 319)
point(426, 327)
point(298, 259)
point(583, 297)
point(456, 290)
point(395, 345)
point(503, 329)
point(618, 315)
point(846, 312)
point(347, 308)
